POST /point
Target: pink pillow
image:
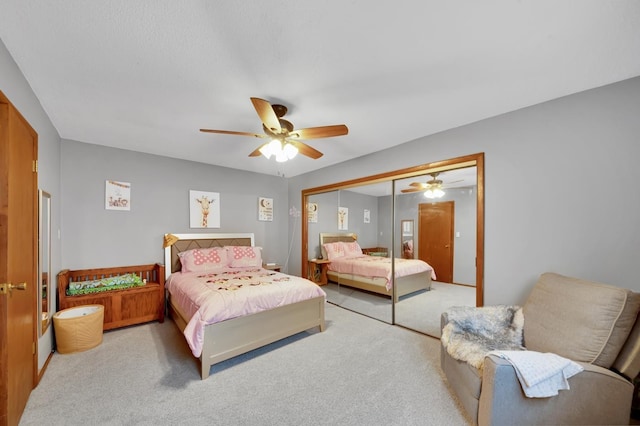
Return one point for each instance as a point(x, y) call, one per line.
point(334, 250)
point(352, 249)
point(245, 256)
point(203, 259)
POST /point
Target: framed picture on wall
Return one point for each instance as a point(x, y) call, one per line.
point(204, 209)
point(312, 212)
point(367, 216)
point(117, 195)
point(265, 209)
point(343, 218)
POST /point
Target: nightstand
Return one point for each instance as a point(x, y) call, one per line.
point(272, 267)
point(318, 271)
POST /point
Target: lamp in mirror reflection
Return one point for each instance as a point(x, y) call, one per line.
point(282, 151)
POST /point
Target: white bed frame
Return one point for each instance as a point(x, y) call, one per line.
point(402, 286)
point(236, 336)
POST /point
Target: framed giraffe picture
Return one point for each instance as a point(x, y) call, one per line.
point(343, 218)
point(204, 209)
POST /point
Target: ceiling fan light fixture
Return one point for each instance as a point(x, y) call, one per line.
point(282, 151)
point(290, 151)
point(434, 193)
point(272, 148)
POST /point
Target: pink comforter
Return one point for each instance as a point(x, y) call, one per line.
point(208, 298)
point(375, 266)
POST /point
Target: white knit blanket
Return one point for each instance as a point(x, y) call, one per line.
point(541, 375)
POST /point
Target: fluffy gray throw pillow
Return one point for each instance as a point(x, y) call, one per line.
point(472, 332)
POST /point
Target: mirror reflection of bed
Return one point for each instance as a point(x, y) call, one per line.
point(364, 274)
point(369, 269)
point(394, 219)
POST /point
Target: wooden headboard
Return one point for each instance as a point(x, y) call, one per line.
point(328, 237)
point(192, 241)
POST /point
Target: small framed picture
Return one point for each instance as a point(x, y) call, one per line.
point(204, 209)
point(367, 216)
point(117, 195)
point(343, 218)
point(265, 209)
point(312, 212)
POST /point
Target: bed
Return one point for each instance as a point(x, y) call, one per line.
point(411, 275)
point(224, 339)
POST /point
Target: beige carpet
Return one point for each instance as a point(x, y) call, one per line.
point(358, 371)
point(419, 311)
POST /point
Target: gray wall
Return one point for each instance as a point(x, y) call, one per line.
point(560, 190)
point(357, 203)
point(327, 213)
point(96, 237)
point(328, 204)
point(17, 89)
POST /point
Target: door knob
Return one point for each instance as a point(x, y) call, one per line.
point(8, 287)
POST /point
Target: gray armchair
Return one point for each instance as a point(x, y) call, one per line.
point(590, 323)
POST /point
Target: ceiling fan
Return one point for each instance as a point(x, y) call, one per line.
point(284, 142)
point(432, 188)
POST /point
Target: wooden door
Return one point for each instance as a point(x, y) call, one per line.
point(435, 238)
point(18, 262)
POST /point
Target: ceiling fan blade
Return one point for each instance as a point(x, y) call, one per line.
point(419, 184)
point(320, 132)
point(231, 132)
point(305, 149)
point(256, 152)
point(267, 114)
point(412, 190)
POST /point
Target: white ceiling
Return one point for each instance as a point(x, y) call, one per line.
point(145, 75)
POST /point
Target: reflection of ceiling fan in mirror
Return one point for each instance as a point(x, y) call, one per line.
point(433, 188)
point(284, 142)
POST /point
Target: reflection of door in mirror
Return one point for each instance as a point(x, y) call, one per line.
point(435, 236)
point(407, 238)
point(44, 261)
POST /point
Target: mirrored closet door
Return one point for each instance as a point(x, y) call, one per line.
point(362, 215)
point(436, 217)
point(366, 213)
point(432, 214)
